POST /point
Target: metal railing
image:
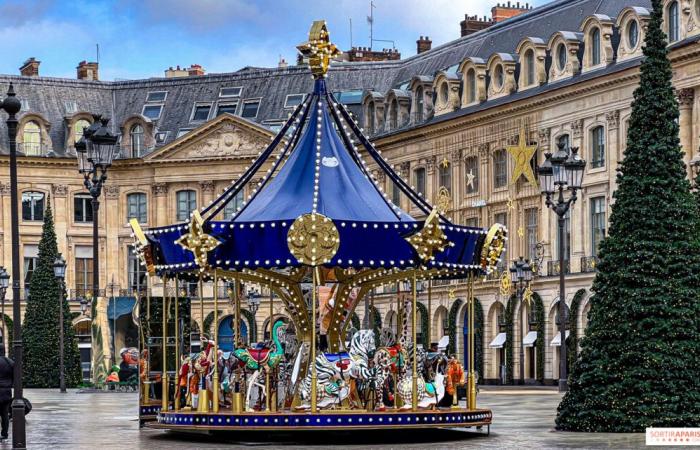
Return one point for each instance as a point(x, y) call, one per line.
point(553, 267)
point(33, 149)
point(589, 264)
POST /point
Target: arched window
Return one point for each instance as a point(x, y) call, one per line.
point(561, 57)
point(597, 147)
point(33, 206)
point(673, 31)
point(444, 92)
point(529, 67)
point(632, 34)
point(136, 134)
point(471, 86)
point(500, 169)
point(445, 176)
point(595, 46)
point(419, 104)
point(186, 203)
point(471, 166)
point(78, 128)
point(563, 139)
point(31, 137)
point(370, 117)
point(498, 76)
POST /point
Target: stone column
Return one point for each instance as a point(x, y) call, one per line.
point(577, 210)
point(430, 181)
point(207, 189)
point(110, 225)
point(59, 193)
point(6, 260)
point(686, 99)
point(543, 228)
point(406, 175)
point(612, 151)
point(160, 192)
point(483, 181)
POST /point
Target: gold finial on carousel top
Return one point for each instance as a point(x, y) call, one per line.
point(319, 49)
point(197, 241)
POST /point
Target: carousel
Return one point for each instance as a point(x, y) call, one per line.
point(319, 234)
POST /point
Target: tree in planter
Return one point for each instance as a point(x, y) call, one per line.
point(639, 364)
point(40, 329)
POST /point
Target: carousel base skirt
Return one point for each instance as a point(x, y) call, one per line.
point(325, 420)
point(148, 413)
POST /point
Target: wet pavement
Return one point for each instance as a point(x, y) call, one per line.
point(523, 418)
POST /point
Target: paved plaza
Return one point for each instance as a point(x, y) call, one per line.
point(523, 418)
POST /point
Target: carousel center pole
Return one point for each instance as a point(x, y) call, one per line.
point(237, 396)
point(147, 381)
point(471, 385)
point(164, 376)
point(414, 388)
point(313, 341)
point(430, 313)
point(215, 378)
point(203, 399)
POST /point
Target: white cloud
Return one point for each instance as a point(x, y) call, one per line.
point(200, 15)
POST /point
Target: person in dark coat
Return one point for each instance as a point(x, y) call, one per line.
point(7, 369)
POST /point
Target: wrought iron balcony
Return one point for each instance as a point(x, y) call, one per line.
point(554, 270)
point(589, 264)
point(33, 149)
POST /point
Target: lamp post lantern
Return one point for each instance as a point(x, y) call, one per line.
point(560, 172)
point(12, 105)
point(59, 271)
point(253, 300)
point(520, 277)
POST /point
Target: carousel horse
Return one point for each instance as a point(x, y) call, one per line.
point(263, 359)
point(430, 382)
point(390, 360)
point(336, 373)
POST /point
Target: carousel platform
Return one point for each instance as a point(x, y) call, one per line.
point(325, 420)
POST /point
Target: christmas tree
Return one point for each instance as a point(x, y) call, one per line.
point(640, 358)
point(40, 327)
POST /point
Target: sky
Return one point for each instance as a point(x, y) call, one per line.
point(142, 38)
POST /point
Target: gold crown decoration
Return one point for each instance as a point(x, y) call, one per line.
point(494, 245)
point(319, 50)
point(430, 239)
point(313, 239)
point(198, 241)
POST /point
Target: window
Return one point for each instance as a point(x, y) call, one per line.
point(498, 76)
point(419, 104)
point(352, 97)
point(563, 142)
point(186, 203)
point(597, 147)
point(137, 207)
point(472, 222)
point(70, 106)
point(200, 113)
point(595, 47)
point(567, 238)
point(293, 100)
point(83, 271)
point(396, 195)
point(500, 169)
point(136, 272)
point(31, 259)
point(276, 125)
point(419, 180)
point(531, 233)
point(597, 223)
point(232, 206)
point(445, 176)
point(632, 34)
point(161, 136)
point(561, 57)
point(370, 117)
point(444, 92)
point(229, 108)
point(33, 206)
point(393, 114)
point(31, 136)
point(152, 111)
point(250, 109)
point(471, 167)
point(157, 96)
point(529, 67)
point(136, 136)
point(471, 86)
point(78, 128)
point(230, 92)
point(183, 131)
point(82, 208)
point(673, 22)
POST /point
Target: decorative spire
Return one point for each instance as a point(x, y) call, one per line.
point(319, 49)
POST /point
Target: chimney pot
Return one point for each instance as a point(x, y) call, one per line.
point(30, 68)
point(88, 70)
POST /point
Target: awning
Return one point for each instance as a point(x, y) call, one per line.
point(556, 342)
point(120, 306)
point(498, 341)
point(530, 338)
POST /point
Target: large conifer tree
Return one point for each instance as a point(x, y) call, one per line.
point(40, 329)
point(640, 359)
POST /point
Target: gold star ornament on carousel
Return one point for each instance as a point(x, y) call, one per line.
point(198, 241)
point(430, 239)
point(319, 50)
point(522, 154)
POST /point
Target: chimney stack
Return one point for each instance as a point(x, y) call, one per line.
point(88, 71)
point(195, 70)
point(282, 64)
point(30, 68)
point(472, 24)
point(423, 44)
point(504, 11)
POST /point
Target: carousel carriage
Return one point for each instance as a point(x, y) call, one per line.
point(318, 220)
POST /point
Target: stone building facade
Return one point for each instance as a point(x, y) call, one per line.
point(445, 118)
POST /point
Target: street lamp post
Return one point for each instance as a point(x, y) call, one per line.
point(253, 301)
point(559, 172)
point(520, 276)
point(4, 282)
point(12, 105)
point(59, 271)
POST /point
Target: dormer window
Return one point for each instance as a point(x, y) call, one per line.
point(444, 92)
point(152, 111)
point(156, 97)
point(293, 100)
point(200, 112)
point(250, 109)
point(498, 76)
point(561, 57)
point(370, 117)
point(673, 28)
point(136, 136)
point(471, 86)
point(419, 104)
point(31, 139)
point(632, 34)
point(595, 46)
point(529, 67)
point(230, 92)
point(78, 128)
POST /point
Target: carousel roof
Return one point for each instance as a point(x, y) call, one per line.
point(318, 204)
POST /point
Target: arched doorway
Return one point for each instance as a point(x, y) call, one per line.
point(555, 342)
point(440, 325)
point(83, 334)
point(226, 337)
point(497, 340)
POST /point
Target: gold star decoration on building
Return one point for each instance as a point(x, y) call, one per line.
point(443, 200)
point(470, 179)
point(522, 154)
point(504, 288)
point(510, 204)
point(521, 231)
point(197, 241)
point(527, 295)
point(451, 295)
point(319, 50)
point(445, 163)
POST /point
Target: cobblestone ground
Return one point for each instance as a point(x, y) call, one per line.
point(101, 421)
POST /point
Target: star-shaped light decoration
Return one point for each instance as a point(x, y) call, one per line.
point(510, 204)
point(527, 295)
point(451, 294)
point(443, 200)
point(470, 179)
point(430, 239)
point(445, 163)
point(319, 49)
point(197, 241)
point(522, 154)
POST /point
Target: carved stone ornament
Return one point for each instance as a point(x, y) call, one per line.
point(577, 128)
point(206, 186)
point(613, 119)
point(543, 136)
point(111, 191)
point(227, 140)
point(685, 96)
point(59, 190)
point(430, 164)
point(159, 189)
point(4, 189)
